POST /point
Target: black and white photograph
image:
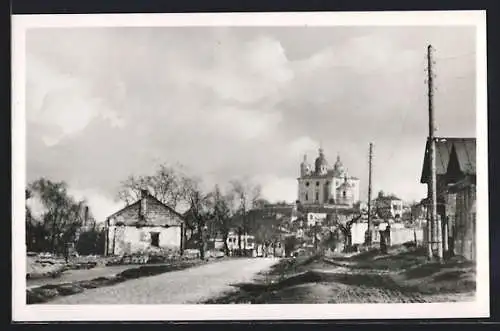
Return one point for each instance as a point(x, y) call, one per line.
point(250, 166)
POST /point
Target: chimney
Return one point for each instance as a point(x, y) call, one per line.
point(144, 194)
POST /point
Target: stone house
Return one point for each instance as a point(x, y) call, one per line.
point(145, 224)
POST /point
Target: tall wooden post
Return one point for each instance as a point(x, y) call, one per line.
point(369, 234)
point(445, 235)
point(432, 158)
point(183, 238)
point(106, 237)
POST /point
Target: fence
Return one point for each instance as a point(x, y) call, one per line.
point(397, 235)
point(404, 235)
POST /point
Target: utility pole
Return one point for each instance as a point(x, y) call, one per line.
point(432, 194)
point(244, 224)
point(369, 234)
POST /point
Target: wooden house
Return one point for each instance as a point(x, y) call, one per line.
point(455, 183)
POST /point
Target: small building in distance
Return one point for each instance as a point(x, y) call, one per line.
point(389, 206)
point(147, 223)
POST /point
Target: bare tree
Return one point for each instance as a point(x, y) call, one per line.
point(223, 213)
point(167, 184)
point(345, 228)
point(200, 211)
point(248, 196)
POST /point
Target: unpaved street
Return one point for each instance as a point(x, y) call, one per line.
point(192, 285)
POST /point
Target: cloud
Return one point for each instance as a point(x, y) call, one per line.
point(249, 72)
point(278, 189)
point(102, 205)
point(61, 100)
point(241, 123)
point(233, 102)
point(302, 145)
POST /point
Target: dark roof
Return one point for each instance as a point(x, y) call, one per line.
point(466, 153)
point(387, 198)
point(345, 185)
point(145, 196)
point(124, 208)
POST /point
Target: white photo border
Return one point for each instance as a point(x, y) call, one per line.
point(23, 312)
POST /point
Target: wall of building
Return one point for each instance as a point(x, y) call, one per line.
point(358, 231)
point(398, 235)
point(404, 235)
point(129, 239)
point(312, 190)
point(312, 218)
point(233, 242)
point(397, 208)
point(322, 190)
point(464, 229)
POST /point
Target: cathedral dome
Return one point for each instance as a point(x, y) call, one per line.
point(305, 167)
point(321, 164)
point(338, 168)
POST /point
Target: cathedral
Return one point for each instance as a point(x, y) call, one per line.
point(325, 186)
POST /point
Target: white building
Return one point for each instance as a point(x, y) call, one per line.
point(247, 241)
point(325, 185)
point(145, 224)
point(389, 206)
point(314, 218)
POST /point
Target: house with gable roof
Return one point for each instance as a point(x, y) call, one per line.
point(456, 192)
point(146, 223)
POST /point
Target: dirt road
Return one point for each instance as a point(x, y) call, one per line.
point(402, 276)
point(192, 285)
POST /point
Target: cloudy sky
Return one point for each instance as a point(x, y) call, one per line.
point(105, 103)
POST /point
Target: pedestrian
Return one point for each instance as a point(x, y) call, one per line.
point(383, 239)
point(66, 252)
point(388, 235)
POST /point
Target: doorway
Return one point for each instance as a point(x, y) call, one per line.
point(155, 239)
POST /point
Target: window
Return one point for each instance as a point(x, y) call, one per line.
point(317, 196)
point(307, 196)
point(317, 183)
point(343, 194)
point(155, 239)
point(307, 184)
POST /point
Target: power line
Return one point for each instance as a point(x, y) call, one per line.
point(399, 71)
point(459, 56)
